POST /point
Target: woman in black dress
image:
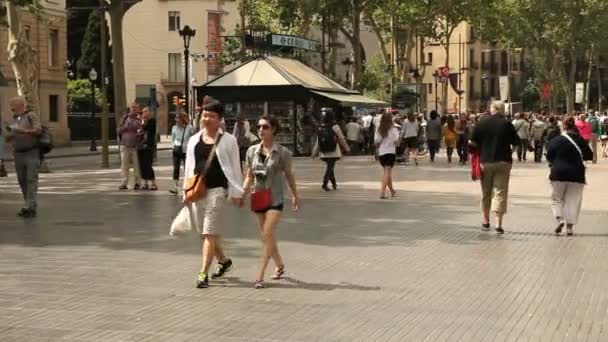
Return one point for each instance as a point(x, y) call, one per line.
point(146, 150)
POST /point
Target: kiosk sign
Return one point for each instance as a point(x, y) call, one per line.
point(293, 41)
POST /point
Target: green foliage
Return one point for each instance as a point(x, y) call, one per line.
point(90, 47)
point(79, 95)
point(231, 50)
point(32, 6)
point(375, 79)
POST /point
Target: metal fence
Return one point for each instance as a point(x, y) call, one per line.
point(82, 127)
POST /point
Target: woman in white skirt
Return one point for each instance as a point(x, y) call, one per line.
point(223, 179)
point(567, 155)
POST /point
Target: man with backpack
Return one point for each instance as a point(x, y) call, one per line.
point(594, 121)
point(24, 134)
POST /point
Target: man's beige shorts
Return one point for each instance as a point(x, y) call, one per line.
point(495, 186)
point(209, 212)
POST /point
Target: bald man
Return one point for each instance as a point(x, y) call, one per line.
point(23, 133)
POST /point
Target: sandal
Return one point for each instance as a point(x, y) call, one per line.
point(259, 284)
point(153, 187)
point(145, 187)
point(279, 273)
point(383, 196)
point(393, 194)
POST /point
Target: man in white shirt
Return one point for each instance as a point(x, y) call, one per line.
point(353, 135)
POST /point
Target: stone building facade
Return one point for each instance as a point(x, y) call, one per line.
point(48, 37)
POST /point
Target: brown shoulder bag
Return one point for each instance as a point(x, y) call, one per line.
point(195, 187)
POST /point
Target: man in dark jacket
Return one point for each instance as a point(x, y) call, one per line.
point(494, 138)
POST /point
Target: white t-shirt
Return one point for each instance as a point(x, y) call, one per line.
point(388, 145)
point(367, 121)
point(376, 120)
point(353, 131)
point(410, 129)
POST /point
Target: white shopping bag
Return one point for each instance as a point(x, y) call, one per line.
point(184, 222)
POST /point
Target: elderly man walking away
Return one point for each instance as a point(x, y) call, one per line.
point(494, 138)
point(23, 133)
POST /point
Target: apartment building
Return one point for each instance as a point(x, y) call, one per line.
point(476, 67)
point(47, 36)
point(154, 55)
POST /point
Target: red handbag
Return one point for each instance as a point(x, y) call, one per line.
point(261, 200)
point(476, 172)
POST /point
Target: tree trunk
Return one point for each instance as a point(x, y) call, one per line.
point(599, 89)
point(22, 58)
point(571, 82)
point(588, 80)
point(380, 38)
point(117, 12)
point(444, 85)
point(357, 63)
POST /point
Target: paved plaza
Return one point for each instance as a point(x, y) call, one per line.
point(98, 264)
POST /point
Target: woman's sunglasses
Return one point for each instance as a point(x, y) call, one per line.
point(263, 127)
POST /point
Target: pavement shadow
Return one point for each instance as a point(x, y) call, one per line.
point(293, 283)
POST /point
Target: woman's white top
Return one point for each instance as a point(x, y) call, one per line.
point(227, 152)
point(388, 145)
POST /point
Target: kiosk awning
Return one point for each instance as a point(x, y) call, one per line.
point(352, 99)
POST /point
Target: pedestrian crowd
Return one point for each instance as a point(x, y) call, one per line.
point(220, 166)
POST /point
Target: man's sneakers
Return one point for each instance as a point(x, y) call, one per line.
point(203, 280)
point(27, 213)
point(222, 269)
point(485, 227)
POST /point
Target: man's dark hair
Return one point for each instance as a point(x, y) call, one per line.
point(212, 105)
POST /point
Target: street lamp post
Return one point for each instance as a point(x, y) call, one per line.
point(187, 33)
point(347, 62)
point(93, 78)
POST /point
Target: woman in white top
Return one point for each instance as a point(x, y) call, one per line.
point(409, 135)
point(386, 140)
point(180, 135)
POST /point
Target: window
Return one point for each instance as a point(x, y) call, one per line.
point(472, 87)
point(429, 58)
point(174, 21)
point(430, 87)
point(53, 108)
point(53, 48)
point(175, 67)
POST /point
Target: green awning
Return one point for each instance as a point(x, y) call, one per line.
point(346, 99)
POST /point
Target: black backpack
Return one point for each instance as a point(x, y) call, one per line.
point(327, 139)
point(552, 132)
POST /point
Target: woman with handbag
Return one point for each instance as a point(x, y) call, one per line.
point(213, 173)
point(268, 165)
point(180, 133)
point(567, 155)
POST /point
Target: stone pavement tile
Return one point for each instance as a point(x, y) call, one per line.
point(359, 269)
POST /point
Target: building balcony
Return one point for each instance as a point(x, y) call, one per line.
point(167, 79)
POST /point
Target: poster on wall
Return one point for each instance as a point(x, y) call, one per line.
point(214, 43)
point(503, 83)
point(580, 92)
